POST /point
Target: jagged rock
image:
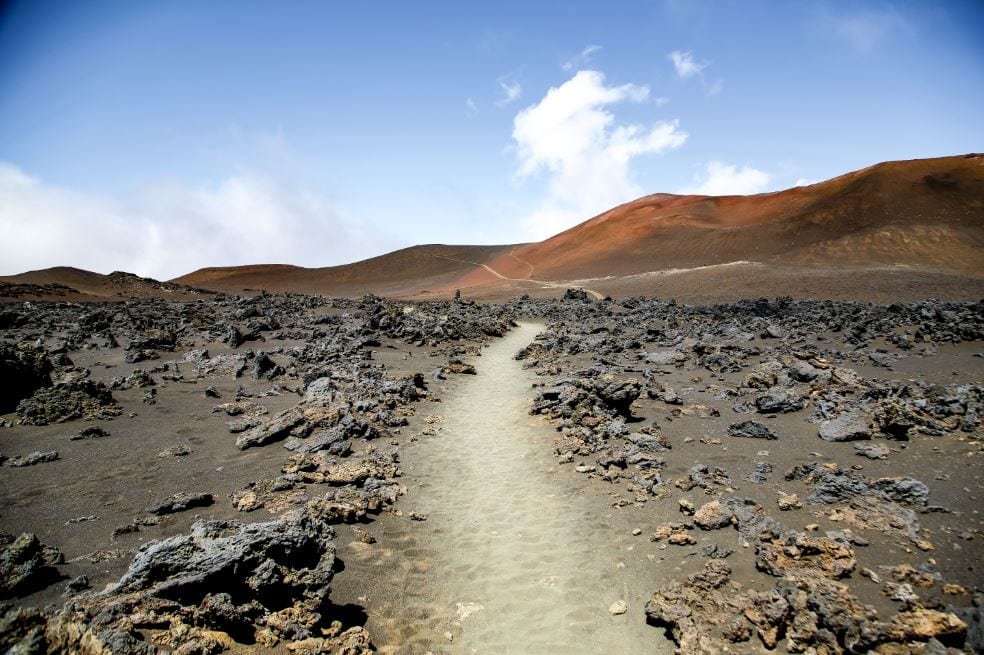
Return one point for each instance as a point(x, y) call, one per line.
point(175, 451)
point(751, 430)
point(221, 581)
point(778, 401)
point(803, 371)
point(458, 367)
point(322, 387)
point(277, 429)
point(923, 624)
point(89, 432)
point(138, 379)
point(25, 564)
point(24, 368)
point(849, 426)
point(703, 476)
point(77, 584)
point(764, 375)
point(871, 450)
point(30, 631)
point(319, 468)
point(677, 534)
point(797, 554)
point(619, 395)
point(180, 502)
point(337, 439)
point(264, 366)
point(353, 641)
point(834, 485)
point(37, 457)
point(903, 490)
point(787, 501)
point(761, 472)
point(69, 401)
point(713, 516)
point(974, 618)
point(895, 420)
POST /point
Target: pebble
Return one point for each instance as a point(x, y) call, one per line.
point(618, 607)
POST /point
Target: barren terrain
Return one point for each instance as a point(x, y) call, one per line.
point(286, 473)
point(690, 424)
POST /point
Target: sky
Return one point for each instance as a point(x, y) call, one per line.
point(160, 137)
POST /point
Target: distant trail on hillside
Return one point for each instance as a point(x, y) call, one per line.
point(512, 253)
point(544, 283)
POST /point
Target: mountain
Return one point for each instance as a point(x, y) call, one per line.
point(924, 213)
point(896, 230)
point(408, 272)
point(75, 284)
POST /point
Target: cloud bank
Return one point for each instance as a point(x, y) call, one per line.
point(170, 230)
point(571, 136)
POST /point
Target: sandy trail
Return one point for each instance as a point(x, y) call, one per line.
point(512, 558)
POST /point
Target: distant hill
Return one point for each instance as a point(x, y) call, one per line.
point(406, 272)
point(896, 230)
point(75, 284)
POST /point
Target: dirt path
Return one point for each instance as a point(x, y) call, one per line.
point(513, 557)
point(512, 253)
point(544, 283)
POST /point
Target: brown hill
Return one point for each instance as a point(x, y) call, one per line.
point(924, 213)
point(414, 271)
point(75, 284)
point(904, 229)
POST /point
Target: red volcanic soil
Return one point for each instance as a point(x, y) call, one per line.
point(923, 213)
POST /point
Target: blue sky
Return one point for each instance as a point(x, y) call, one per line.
point(159, 137)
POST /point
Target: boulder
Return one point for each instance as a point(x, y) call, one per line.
point(24, 368)
point(751, 430)
point(713, 516)
point(854, 425)
point(779, 401)
point(25, 564)
point(180, 502)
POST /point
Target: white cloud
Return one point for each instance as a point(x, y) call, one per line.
point(471, 107)
point(720, 179)
point(572, 137)
point(803, 182)
point(581, 58)
point(865, 30)
point(511, 90)
point(170, 230)
point(685, 64)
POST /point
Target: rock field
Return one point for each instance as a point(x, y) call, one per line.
point(178, 476)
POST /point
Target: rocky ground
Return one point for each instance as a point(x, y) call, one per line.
point(175, 475)
point(813, 469)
